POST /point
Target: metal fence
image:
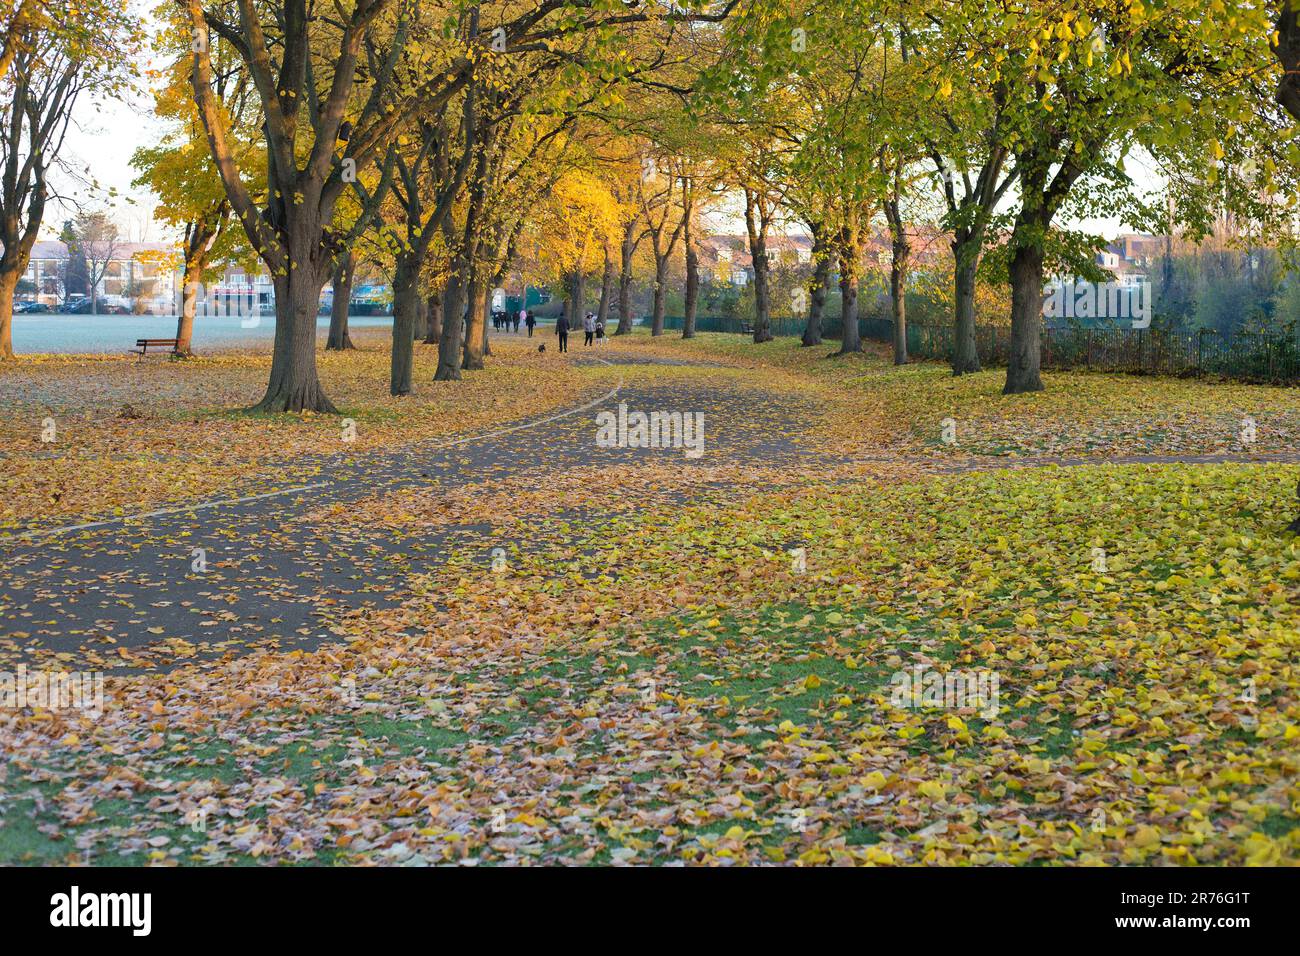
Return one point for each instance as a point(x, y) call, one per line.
point(1245, 356)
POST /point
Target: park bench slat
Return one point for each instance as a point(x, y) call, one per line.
point(142, 346)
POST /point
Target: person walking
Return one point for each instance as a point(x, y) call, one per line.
point(519, 317)
point(562, 330)
point(530, 322)
point(588, 328)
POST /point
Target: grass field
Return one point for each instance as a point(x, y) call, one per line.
point(1105, 654)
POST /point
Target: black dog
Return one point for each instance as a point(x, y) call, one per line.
point(542, 347)
point(1294, 526)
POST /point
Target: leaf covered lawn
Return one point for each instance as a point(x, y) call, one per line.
point(132, 435)
point(701, 701)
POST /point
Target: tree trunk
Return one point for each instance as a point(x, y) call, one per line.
point(453, 299)
point(898, 292)
point(692, 288)
point(812, 333)
point(1287, 50)
point(965, 356)
point(661, 295)
point(606, 290)
point(1026, 319)
point(8, 283)
point(475, 328)
point(342, 284)
point(626, 251)
point(850, 335)
point(200, 234)
point(421, 318)
point(406, 302)
point(453, 328)
point(433, 308)
point(189, 306)
point(576, 300)
point(294, 385)
point(762, 296)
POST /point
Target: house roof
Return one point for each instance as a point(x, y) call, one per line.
point(122, 251)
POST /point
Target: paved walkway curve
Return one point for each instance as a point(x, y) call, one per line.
point(131, 583)
point(92, 588)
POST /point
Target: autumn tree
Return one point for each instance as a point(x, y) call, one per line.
point(661, 211)
point(326, 116)
point(842, 145)
point(626, 191)
point(98, 241)
point(427, 165)
point(762, 208)
point(17, 26)
point(1085, 83)
point(581, 218)
point(430, 171)
point(180, 172)
point(51, 57)
point(823, 117)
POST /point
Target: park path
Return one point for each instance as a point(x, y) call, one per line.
point(132, 584)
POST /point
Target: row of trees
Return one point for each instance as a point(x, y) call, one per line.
point(570, 140)
point(442, 137)
point(1017, 116)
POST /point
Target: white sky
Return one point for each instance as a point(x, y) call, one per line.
point(98, 147)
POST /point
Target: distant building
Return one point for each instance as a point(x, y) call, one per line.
point(726, 258)
point(1126, 296)
point(1130, 258)
point(135, 276)
point(238, 292)
point(1136, 249)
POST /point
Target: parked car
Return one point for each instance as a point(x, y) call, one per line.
point(29, 308)
point(111, 308)
point(76, 306)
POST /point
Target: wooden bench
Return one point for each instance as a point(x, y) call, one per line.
point(746, 328)
point(144, 345)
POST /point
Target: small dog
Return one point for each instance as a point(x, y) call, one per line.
point(542, 347)
point(1294, 526)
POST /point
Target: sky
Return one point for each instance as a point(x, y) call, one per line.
point(103, 135)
